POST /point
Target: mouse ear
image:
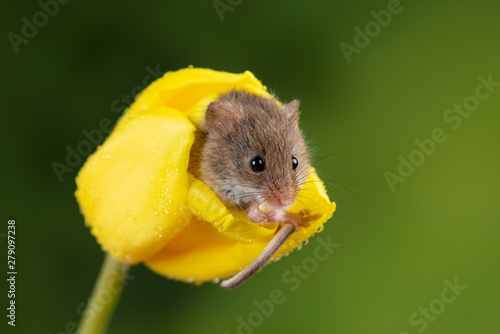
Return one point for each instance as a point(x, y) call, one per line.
point(219, 119)
point(292, 111)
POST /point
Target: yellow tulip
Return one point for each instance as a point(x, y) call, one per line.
point(142, 205)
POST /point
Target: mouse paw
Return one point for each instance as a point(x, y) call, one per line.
point(275, 216)
point(297, 221)
point(255, 215)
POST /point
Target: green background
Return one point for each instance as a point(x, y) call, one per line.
point(396, 248)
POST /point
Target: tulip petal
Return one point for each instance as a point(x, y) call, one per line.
point(219, 242)
point(205, 204)
point(201, 253)
point(132, 191)
point(183, 89)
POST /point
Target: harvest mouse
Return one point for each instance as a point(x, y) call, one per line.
point(254, 157)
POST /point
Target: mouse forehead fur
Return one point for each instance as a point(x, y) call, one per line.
point(241, 125)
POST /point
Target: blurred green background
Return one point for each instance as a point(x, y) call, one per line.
point(397, 248)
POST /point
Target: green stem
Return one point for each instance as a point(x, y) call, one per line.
point(104, 298)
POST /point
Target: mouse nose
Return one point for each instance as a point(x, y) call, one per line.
point(281, 200)
point(284, 202)
point(279, 195)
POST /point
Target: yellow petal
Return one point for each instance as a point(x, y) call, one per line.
point(222, 242)
point(205, 204)
point(184, 89)
point(132, 191)
point(200, 253)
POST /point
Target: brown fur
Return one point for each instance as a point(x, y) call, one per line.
point(239, 126)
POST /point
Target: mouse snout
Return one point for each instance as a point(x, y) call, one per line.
point(280, 196)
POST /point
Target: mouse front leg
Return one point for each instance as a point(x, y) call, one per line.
point(261, 215)
point(256, 215)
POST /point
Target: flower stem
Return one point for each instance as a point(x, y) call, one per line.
point(104, 298)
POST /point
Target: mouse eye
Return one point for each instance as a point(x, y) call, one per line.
point(257, 164)
point(295, 162)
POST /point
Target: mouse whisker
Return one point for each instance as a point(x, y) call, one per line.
point(337, 195)
point(354, 170)
point(338, 152)
point(303, 179)
point(349, 186)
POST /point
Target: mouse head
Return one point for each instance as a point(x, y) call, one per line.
point(255, 152)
